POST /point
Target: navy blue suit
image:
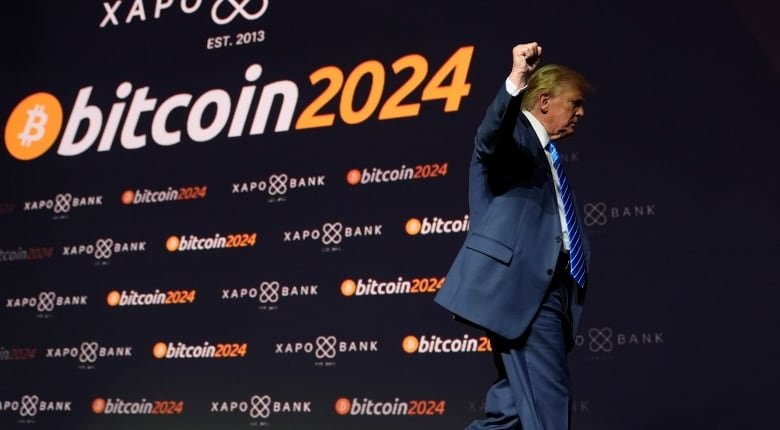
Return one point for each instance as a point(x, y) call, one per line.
point(501, 278)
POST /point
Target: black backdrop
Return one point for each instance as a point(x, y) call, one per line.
point(674, 166)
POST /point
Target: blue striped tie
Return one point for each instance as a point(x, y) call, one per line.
point(576, 256)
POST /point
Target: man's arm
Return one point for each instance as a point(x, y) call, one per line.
point(497, 125)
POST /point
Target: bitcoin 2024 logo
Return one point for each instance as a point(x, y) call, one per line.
point(33, 126)
point(36, 122)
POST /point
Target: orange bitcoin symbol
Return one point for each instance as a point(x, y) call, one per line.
point(113, 298)
point(353, 177)
point(98, 405)
point(410, 344)
point(348, 287)
point(342, 406)
point(159, 350)
point(33, 126)
point(413, 226)
point(172, 244)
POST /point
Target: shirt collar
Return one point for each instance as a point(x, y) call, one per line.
point(541, 133)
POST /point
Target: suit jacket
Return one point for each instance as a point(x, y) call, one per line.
point(503, 270)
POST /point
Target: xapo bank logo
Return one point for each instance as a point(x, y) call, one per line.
point(397, 286)
point(147, 196)
point(437, 345)
point(46, 301)
point(181, 350)
point(218, 241)
point(607, 340)
point(36, 122)
point(261, 406)
point(326, 347)
point(436, 225)
point(89, 352)
point(31, 405)
point(104, 249)
point(269, 293)
point(135, 298)
point(370, 407)
point(63, 203)
point(332, 234)
point(117, 406)
point(375, 175)
point(600, 213)
point(124, 12)
point(277, 186)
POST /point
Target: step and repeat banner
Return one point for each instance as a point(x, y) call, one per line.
point(235, 213)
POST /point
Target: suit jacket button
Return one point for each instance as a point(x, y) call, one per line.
point(557, 239)
point(550, 272)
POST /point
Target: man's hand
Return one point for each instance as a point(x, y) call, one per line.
point(525, 58)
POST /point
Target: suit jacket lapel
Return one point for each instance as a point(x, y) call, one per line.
point(529, 139)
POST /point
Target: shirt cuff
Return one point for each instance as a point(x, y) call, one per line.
point(512, 89)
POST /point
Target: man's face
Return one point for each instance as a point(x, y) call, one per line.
point(563, 112)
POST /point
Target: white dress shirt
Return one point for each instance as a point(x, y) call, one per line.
point(544, 138)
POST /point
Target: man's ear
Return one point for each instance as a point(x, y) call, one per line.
point(544, 102)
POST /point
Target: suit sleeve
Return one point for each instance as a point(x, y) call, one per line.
point(498, 124)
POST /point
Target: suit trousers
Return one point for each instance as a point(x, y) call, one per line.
point(533, 389)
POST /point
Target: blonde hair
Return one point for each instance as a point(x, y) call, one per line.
point(552, 79)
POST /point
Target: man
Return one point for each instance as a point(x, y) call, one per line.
point(522, 271)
